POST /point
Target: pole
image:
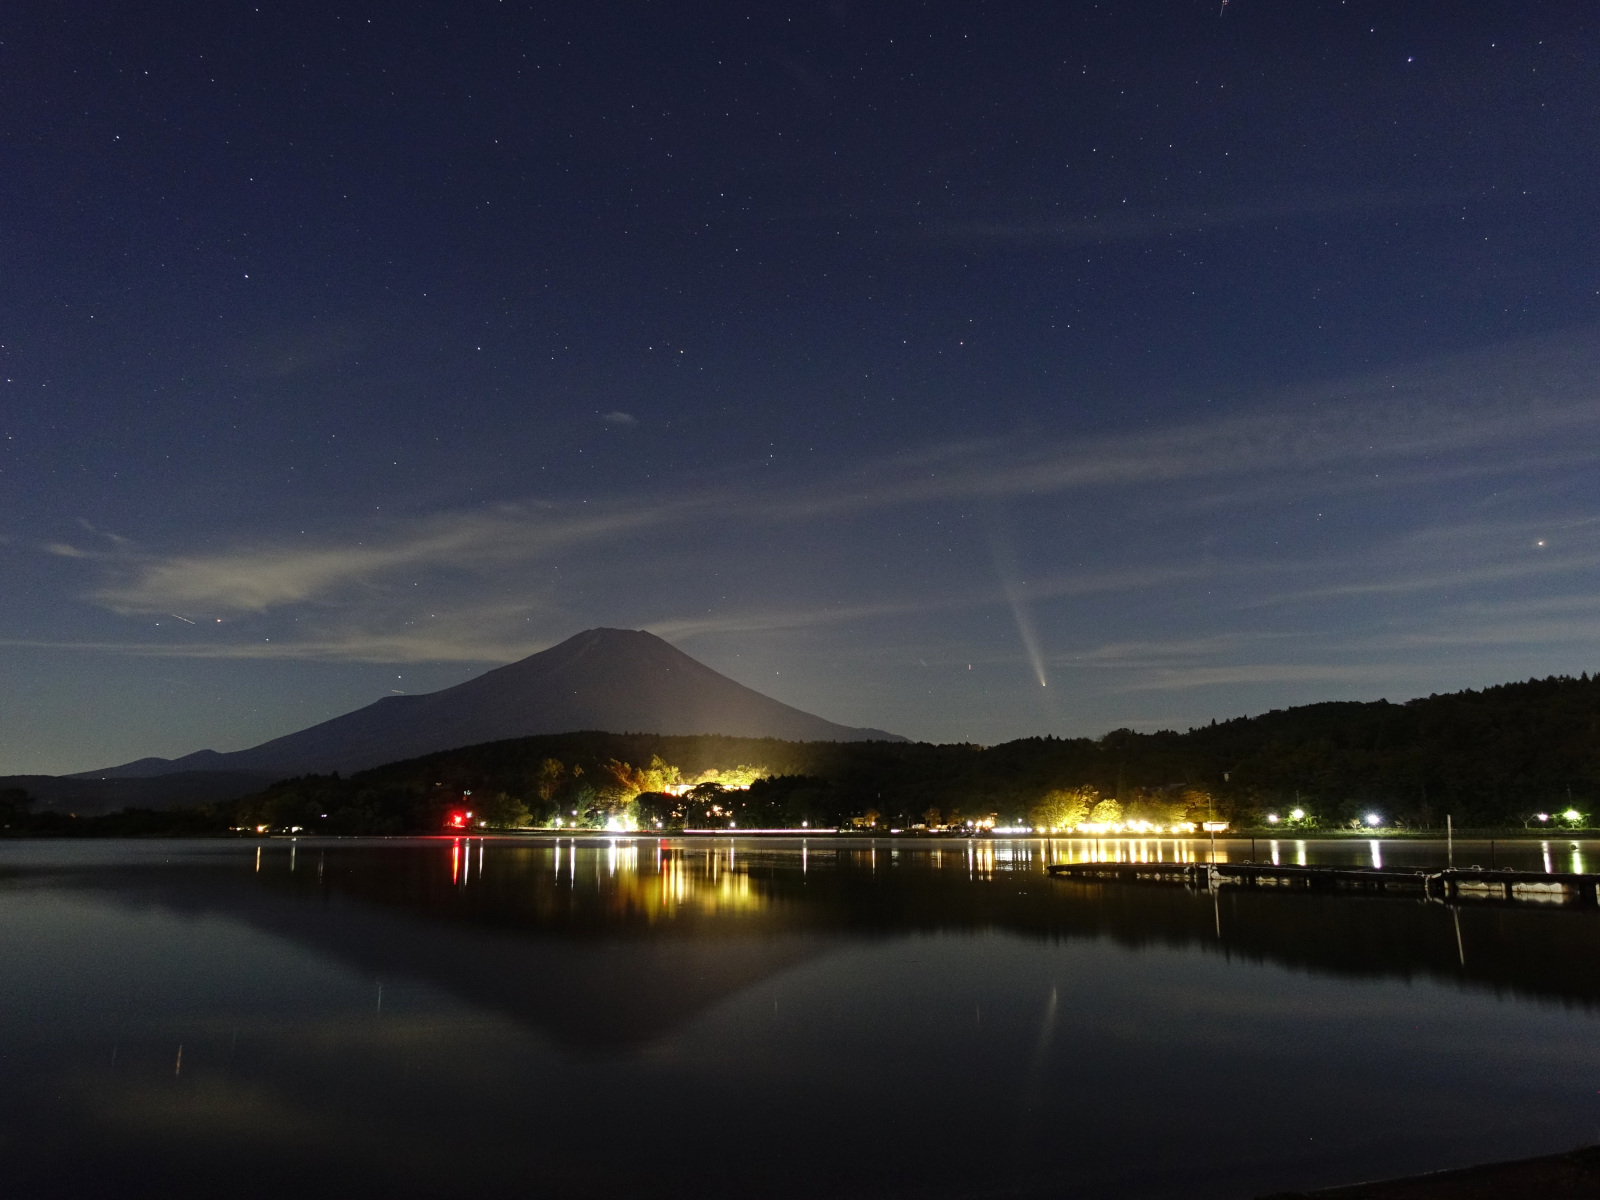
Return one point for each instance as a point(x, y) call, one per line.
point(1213, 845)
point(1449, 842)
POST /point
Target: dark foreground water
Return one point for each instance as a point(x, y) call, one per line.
point(834, 1018)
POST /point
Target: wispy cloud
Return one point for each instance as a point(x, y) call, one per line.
point(360, 647)
point(1168, 679)
point(1120, 653)
point(1075, 583)
point(1534, 406)
point(255, 579)
point(1528, 404)
point(1465, 556)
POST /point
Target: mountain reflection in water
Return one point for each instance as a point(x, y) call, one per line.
point(665, 912)
point(821, 1016)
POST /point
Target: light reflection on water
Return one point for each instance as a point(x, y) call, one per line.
point(707, 874)
point(922, 1017)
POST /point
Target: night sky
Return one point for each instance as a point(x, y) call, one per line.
point(893, 359)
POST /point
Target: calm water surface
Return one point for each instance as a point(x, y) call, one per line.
point(692, 1017)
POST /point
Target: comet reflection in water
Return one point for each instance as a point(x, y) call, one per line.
point(823, 1016)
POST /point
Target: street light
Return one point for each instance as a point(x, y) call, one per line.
point(1374, 819)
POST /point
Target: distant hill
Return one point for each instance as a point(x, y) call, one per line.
point(87, 797)
point(611, 680)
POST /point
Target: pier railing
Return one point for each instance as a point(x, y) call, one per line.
point(1449, 884)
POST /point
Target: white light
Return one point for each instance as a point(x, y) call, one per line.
point(1298, 814)
point(1272, 818)
point(1571, 814)
point(1373, 819)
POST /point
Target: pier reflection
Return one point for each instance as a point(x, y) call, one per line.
point(613, 941)
point(481, 1016)
point(780, 898)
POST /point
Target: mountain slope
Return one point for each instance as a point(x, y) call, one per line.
point(615, 680)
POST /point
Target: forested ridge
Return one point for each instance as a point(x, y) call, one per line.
point(1494, 756)
point(1490, 757)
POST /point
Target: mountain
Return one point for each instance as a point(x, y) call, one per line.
point(88, 796)
point(612, 680)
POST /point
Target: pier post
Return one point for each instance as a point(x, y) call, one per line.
point(1449, 842)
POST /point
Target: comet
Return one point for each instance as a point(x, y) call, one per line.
point(1005, 565)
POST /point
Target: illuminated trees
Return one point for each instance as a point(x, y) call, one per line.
point(1064, 808)
point(733, 778)
point(547, 780)
point(1167, 806)
point(1106, 812)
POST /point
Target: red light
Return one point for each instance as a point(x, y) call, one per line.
point(456, 820)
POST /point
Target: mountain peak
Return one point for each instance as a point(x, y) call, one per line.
point(611, 680)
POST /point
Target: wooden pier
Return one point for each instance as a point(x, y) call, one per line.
point(1460, 883)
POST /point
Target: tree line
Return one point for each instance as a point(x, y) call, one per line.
point(1495, 757)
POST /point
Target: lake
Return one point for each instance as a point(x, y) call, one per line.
point(776, 1017)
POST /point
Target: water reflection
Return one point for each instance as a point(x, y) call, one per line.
point(588, 893)
point(462, 1016)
